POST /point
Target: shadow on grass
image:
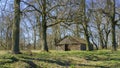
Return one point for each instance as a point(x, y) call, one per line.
point(96, 66)
point(115, 59)
point(32, 64)
point(10, 60)
point(63, 62)
point(67, 63)
point(2, 63)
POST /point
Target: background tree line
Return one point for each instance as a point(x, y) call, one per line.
point(43, 23)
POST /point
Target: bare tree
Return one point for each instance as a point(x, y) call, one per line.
point(85, 24)
point(110, 12)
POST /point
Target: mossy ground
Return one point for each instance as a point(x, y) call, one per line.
point(61, 59)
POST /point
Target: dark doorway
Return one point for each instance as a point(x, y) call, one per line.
point(83, 47)
point(66, 47)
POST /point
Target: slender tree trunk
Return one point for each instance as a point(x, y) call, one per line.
point(85, 25)
point(100, 36)
point(107, 32)
point(106, 41)
point(39, 28)
point(87, 36)
point(77, 30)
point(113, 24)
point(93, 40)
point(87, 39)
point(111, 9)
point(7, 40)
point(16, 28)
point(56, 33)
point(95, 44)
point(113, 37)
point(34, 38)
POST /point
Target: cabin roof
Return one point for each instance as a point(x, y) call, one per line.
point(72, 41)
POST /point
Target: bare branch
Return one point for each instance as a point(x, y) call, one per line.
point(32, 7)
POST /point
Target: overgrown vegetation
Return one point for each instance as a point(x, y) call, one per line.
point(62, 59)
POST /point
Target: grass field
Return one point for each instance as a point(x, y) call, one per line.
point(61, 59)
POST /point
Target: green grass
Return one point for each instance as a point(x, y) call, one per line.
point(61, 59)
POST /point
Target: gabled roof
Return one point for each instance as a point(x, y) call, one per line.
point(72, 41)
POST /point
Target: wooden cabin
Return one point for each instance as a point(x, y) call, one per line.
point(71, 43)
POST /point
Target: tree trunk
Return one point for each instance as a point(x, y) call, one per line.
point(85, 25)
point(7, 40)
point(113, 24)
point(44, 38)
point(16, 28)
point(56, 33)
point(94, 42)
point(100, 36)
point(106, 41)
point(34, 38)
point(77, 30)
point(113, 37)
point(87, 38)
point(44, 28)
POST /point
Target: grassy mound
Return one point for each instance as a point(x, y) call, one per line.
point(61, 59)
